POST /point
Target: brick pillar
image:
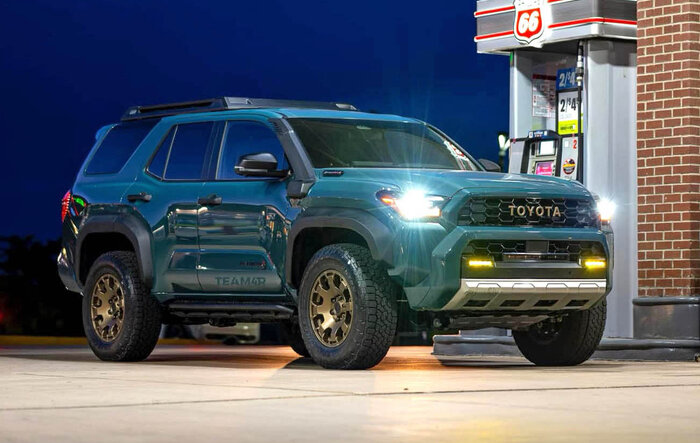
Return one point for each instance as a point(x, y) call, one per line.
point(668, 147)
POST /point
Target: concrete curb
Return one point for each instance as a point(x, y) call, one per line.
point(451, 347)
point(39, 340)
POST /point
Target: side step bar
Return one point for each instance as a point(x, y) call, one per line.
point(229, 312)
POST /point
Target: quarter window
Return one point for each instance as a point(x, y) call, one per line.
point(246, 137)
point(117, 146)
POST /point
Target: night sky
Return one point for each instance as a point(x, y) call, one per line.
point(69, 67)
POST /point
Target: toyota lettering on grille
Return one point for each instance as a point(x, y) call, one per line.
point(538, 210)
point(528, 211)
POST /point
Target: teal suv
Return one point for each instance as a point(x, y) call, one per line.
point(330, 221)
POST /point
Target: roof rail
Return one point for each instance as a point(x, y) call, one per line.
point(225, 104)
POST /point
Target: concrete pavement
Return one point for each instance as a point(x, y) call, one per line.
point(265, 394)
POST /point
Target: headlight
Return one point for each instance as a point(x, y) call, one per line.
point(606, 209)
point(413, 204)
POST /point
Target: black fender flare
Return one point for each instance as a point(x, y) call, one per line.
point(130, 227)
point(378, 236)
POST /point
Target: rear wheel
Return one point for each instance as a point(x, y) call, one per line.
point(566, 341)
point(121, 318)
point(347, 308)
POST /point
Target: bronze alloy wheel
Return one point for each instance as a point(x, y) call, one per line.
point(107, 307)
point(347, 307)
point(331, 308)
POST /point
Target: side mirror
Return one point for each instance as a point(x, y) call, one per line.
point(489, 165)
point(262, 164)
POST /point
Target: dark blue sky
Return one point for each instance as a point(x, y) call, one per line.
point(68, 67)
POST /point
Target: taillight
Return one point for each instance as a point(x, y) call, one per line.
point(65, 205)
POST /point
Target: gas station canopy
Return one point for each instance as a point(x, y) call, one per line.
point(505, 25)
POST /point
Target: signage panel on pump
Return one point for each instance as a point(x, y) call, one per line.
point(567, 113)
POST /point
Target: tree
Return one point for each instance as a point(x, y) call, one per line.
point(33, 300)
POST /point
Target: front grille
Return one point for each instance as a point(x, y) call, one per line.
point(494, 249)
point(557, 249)
point(529, 211)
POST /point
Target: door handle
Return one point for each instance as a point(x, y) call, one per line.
point(141, 196)
point(211, 200)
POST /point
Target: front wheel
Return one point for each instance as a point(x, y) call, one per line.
point(347, 308)
point(565, 341)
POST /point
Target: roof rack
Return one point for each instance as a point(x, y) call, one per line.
point(225, 104)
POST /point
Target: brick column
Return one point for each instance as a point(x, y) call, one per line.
point(668, 147)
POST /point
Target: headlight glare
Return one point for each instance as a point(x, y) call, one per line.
point(413, 204)
point(606, 209)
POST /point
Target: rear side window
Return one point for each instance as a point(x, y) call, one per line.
point(183, 153)
point(117, 146)
point(157, 166)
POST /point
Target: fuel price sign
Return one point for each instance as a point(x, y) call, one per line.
point(567, 112)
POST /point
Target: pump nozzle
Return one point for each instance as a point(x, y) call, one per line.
point(579, 64)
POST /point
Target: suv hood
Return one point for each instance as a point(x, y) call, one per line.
point(448, 183)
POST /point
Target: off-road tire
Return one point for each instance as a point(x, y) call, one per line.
point(374, 308)
point(291, 335)
point(142, 313)
point(578, 336)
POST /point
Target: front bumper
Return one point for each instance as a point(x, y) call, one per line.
point(527, 295)
point(429, 266)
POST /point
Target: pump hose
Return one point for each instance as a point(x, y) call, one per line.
point(579, 81)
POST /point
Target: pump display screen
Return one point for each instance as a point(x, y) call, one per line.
point(546, 148)
point(544, 168)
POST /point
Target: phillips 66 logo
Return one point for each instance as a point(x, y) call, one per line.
point(529, 23)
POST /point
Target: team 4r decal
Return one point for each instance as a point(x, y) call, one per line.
point(529, 22)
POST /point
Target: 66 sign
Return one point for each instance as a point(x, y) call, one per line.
point(528, 24)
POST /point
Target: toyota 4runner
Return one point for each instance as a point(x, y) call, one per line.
point(329, 221)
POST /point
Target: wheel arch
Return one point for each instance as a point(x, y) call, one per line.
point(104, 233)
point(338, 226)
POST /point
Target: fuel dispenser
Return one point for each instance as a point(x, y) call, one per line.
point(545, 152)
point(548, 152)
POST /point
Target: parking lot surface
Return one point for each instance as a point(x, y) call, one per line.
point(265, 394)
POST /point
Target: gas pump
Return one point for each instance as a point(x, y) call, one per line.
point(556, 153)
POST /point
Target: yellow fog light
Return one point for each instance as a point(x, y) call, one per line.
point(594, 263)
point(480, 263)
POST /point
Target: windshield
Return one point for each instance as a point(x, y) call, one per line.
point(350, 143)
